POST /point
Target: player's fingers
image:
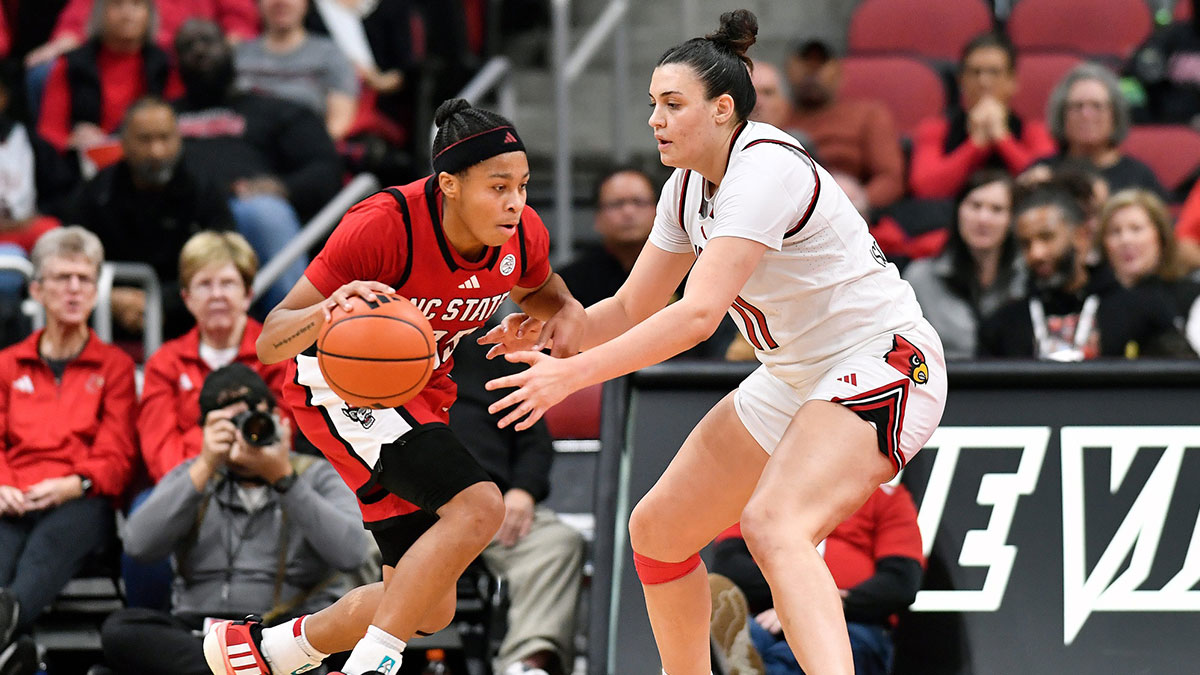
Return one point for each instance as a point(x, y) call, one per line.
point(367, 289)
point(506, 382)
point(524, 356)
point(493, 336)
point(341, 299)
point(513, 398)
point(510, 418)
point(378, 287)
point(530, 420)
point(530, 323)
point(498, 350)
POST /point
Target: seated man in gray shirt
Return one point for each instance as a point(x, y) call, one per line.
point(289, 63)
point(251, 529)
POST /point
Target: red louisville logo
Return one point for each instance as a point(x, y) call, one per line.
point(906, 358)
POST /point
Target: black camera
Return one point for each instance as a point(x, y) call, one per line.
point(257, 427)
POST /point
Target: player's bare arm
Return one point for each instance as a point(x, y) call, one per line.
point(292, 326)
point(649, 288)
point(716, 279)
point(651, 283)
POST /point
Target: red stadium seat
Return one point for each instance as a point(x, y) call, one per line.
point(908, 87)
point(1183, 10)
point(577, 416)
point(1037, 75)
point(1172, 151)
point(1111, 28)
point(936, 29)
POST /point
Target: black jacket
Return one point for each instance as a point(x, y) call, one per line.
point(254, 135)
point(151, 226)
point(1141, 319)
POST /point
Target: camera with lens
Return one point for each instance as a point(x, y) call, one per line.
point(257, 427)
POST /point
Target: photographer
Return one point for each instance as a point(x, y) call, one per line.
point(251, 528)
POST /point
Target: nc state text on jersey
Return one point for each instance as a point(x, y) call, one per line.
point(467, 310)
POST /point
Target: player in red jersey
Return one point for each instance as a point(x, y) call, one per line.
point(456, 243)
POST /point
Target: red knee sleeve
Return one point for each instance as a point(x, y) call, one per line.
point(652, 571)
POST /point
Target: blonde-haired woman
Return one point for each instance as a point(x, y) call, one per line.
point(216, 271)
point(1135, 238)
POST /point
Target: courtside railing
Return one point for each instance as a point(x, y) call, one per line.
point(568, 66)
point(315, 230)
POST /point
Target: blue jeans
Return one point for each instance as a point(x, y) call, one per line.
point(11, 282)
point(35, 86)
point(871, 645)
point(269, 223)
point(147, 583)
point(41, 551)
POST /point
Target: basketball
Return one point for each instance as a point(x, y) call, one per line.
point(378, 355)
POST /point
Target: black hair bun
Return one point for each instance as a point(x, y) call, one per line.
point(738, 31)
point(449, 108)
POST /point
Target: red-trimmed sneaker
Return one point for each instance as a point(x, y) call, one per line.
point(234, 648)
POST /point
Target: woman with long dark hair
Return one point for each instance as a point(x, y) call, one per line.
point(979, 271)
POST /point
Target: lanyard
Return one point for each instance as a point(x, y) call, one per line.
point(1083, 330)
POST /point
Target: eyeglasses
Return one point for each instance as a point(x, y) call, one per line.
point(618, 204)
point(1095, 106)
point(976, 71)
point(65, 278)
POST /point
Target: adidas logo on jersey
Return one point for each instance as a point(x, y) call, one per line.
point(23, 384)
point(473, 282)
point(851, 379)
point(510, 138)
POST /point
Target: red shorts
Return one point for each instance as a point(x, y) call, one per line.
point(351, 438)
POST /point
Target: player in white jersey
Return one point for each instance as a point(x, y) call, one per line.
point(853, 380)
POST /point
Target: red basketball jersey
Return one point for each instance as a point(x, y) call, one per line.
point(396, 237)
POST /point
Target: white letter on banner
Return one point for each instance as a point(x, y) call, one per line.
point(1140, 532)
point(981, 548)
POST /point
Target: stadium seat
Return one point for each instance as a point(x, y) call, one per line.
point(1172, 151)
point(1183, 10)
point(936, 29)
point(1112, 28)
point(907, 86)
point(577, 416)
point(1037, 75)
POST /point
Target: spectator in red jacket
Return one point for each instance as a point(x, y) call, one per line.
point(90, 87)
point(239, 19)
point(216, 270)
point(876, 559)
point(983, 132)
point(66, 430)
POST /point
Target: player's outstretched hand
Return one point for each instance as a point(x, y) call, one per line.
point(563, 333)
point(547, 381)
point(517, 332)
point(363, 289)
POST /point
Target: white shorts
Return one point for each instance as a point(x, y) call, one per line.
point(897, 383)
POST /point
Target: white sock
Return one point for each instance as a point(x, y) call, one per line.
point(287, 649)
point(378, 651)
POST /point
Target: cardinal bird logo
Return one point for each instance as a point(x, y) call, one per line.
point(906, 358)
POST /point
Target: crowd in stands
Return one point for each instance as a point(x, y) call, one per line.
point(196, 136)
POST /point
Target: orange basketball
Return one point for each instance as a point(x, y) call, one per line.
point(379, 355)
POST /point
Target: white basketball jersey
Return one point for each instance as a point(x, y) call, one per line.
point(823, 288)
